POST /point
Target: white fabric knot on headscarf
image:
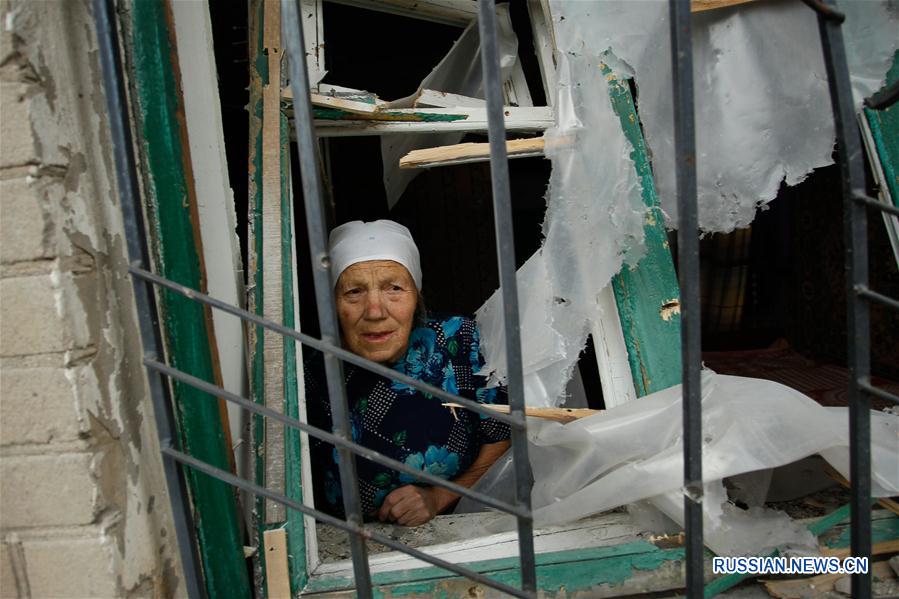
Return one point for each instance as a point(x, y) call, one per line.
point(358, 241)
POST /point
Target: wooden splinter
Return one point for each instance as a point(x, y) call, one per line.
point(563, 415)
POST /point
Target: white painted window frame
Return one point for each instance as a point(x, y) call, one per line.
point(611, 351)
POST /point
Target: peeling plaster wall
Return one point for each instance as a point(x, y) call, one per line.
point(84, 505)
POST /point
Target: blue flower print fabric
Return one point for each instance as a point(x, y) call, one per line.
point(401, 422)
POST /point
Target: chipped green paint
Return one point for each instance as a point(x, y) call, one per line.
point(365, 98)
point(293, 480)
point(881, 530)
point(294, 524)
point(885, 131)
point(334, 114)
point(575, 569)
point(258, 77)
point(647, 294)
point(170, 208)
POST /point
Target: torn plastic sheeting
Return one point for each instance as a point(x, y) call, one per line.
point(634, 452)
point(459, 72)
point(729, 530)
point(535, 306)
point(762, 101)
point(594, 223)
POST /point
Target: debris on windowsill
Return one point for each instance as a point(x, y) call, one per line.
point(461, 530)
point(668, 541)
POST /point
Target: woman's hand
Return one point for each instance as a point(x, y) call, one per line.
point(413, 505)
point(410, 505)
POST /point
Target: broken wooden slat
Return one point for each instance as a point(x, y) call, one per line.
point(563, 415)
point(890, 504)
point(882, 548)
point(647, 295)
point(432, 120)
point(701, 5)
point(429, 98)
point(277, 574)
point(345, 105)
point(272, 302)
point(469, 152)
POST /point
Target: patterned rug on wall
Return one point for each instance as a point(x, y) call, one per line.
point(825, 383)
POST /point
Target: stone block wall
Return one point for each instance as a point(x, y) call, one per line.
point(83, 505)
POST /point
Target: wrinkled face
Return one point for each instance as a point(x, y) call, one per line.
point(376, 306)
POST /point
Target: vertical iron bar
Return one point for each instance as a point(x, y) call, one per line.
point(688, 275)
point(313, 201)
point(144, 298)
point(505, 249)
point(855, 232)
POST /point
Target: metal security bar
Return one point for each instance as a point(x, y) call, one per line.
point(688, 278)
point(856, 202)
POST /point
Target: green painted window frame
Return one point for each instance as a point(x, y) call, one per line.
point(171, 207)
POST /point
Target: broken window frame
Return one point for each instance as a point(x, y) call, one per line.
point(860, 295)
point(618, 360)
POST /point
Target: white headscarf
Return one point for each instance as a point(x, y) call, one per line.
point(358, 241)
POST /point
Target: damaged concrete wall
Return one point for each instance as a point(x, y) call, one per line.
point(84, 506)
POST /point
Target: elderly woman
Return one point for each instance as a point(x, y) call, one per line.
point(377, 283)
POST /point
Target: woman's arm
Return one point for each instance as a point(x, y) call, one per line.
point(413, 505)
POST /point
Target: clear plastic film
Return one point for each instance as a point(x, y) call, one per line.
point(634, 452)
point(764, 117)
point(762, 103)
point(729, 530)
point(459, 72)
point(593, 224)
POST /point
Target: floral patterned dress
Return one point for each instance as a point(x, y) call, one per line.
point(401, 422)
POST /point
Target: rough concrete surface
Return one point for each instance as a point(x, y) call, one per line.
point(84, 504)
